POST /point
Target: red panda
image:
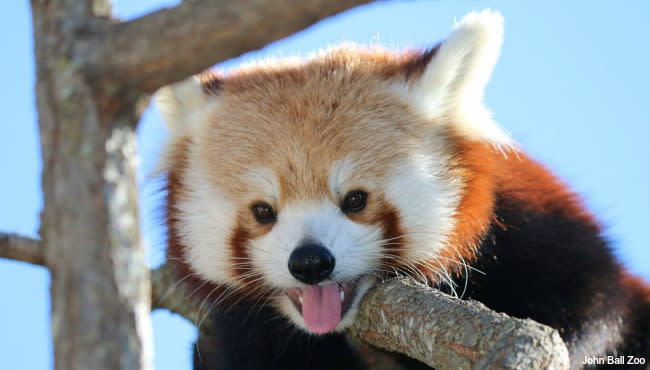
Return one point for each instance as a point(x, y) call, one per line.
point(294, 185)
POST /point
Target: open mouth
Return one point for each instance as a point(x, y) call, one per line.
point(323, 306)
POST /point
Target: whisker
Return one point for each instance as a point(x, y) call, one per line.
point(171, 288)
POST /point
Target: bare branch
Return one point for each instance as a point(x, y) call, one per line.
point(403, 316)
point(21, 248)
point(168, 292)
point(171, 44)
point(165, 292)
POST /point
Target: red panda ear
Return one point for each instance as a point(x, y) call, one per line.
point(461, 65)
point(451, 79)
point(210, 82)
point(185, 105)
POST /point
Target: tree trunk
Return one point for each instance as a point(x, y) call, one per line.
point(100, 283)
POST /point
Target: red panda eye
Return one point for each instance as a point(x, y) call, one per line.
point(263, 213)
point(354, 201)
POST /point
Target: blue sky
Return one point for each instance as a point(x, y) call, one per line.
point(572, 86)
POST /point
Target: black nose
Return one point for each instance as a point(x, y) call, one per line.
point(311, 263)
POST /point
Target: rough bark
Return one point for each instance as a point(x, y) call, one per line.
point(169, 292)
point(404, 316)
point(99, 280)
point(171, 44)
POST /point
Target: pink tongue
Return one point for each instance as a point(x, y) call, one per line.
point(321, 307)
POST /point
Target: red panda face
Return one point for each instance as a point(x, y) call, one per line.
point(291, 195)
point(304, 181)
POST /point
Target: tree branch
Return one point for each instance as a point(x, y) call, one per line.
point(403, 316)
point(168, 292)
point(398, 315)
point(171, 44)
point(21, 248)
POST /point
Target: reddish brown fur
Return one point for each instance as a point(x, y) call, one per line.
point(388, 217)
point(522, 178)
point(240, 256)
point(487, 172)
point(638, 286)
point(178, 154)
point(474, 162)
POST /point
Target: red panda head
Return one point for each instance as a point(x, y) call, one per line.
point(302, 181)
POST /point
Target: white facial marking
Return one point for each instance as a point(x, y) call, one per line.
point(350, 243)
point(207, 219)
point(426, 199)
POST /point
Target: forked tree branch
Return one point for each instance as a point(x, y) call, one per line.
point(171, 44)
point(398, 315)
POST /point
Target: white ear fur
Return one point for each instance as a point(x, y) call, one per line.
point(454, 81)
point(184, 106)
